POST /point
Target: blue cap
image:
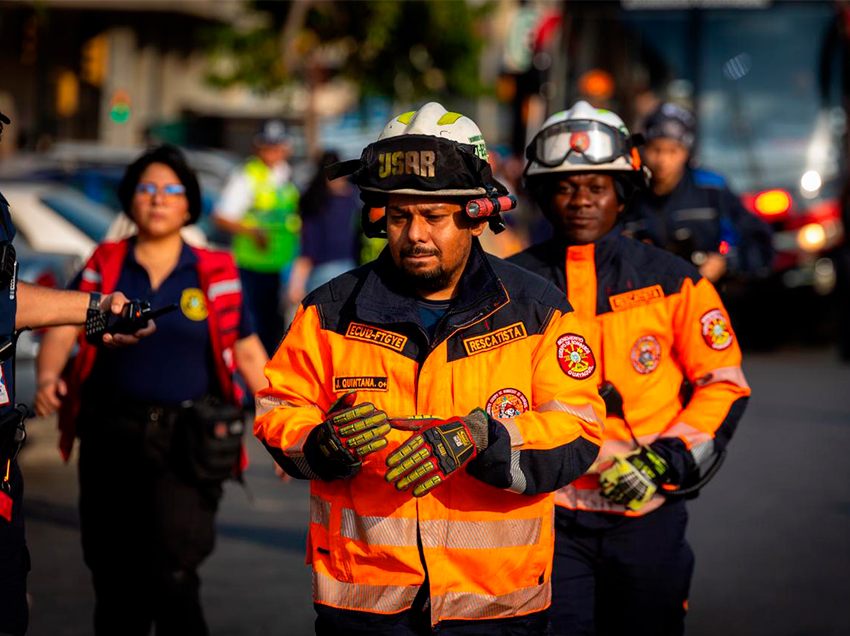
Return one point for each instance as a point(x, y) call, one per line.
point(271, 133)
point(671, 121)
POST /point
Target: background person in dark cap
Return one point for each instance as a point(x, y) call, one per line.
point(259, 207)
point(691, 212)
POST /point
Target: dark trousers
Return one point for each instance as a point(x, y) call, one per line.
point(336, 622)
point(617, 575)
point(145, 528)
point(14, 561)
point(262, 293)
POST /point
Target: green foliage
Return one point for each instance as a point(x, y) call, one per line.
point(251, 58)
point(406, 48)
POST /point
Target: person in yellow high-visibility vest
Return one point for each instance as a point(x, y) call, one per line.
point(259, 206)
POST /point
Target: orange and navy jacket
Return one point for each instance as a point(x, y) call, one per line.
point(219, 281)
point(487, 533)
point(657, 326)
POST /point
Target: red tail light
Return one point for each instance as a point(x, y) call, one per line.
point(772, 203)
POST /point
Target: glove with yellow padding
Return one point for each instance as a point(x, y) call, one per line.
point(438, 450)
point(350, 432)
point(634, 478)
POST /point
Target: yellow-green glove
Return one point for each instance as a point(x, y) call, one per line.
point(634, 478)
point(435, 453)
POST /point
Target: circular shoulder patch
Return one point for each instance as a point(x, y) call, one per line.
point(715, 330)
point(575, 357)
point(193, 304)
point(646, 353)
point(507, 403)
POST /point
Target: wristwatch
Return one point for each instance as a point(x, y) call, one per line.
point(95, 319)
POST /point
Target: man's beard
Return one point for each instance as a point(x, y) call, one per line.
point(432, 280)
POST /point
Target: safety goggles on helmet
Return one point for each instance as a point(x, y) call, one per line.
point(593, 141)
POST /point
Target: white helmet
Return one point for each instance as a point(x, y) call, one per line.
point(428, 152)
point(433, 119)
point(584, 139)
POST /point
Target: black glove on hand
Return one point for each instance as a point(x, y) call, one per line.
point(439, 449)
point(351, 431)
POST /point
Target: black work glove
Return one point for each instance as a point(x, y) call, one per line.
point(349, 433)
point(438, 450)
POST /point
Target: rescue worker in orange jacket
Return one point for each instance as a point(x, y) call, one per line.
point(436, 398)
point(622, 564)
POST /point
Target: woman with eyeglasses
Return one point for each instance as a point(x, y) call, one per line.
point(159, 426)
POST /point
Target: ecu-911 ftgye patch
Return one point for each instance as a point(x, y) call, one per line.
point(575, 357)
point(507, 403)
point(715, 330)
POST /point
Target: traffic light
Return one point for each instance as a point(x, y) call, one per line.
point(93, 61)
point(119, 108)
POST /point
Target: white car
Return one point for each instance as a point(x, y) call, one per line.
point(54, 218)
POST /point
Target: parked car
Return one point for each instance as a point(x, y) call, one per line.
point(56, 218)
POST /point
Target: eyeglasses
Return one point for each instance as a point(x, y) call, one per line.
point(169, 192)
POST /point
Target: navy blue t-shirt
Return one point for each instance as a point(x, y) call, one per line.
point(431, 312)
point(175, 363)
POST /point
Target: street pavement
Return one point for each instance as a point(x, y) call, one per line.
point(771, 533)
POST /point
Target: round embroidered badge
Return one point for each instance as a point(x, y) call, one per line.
point(575, 357)
point(507, 403)
point(646, 354)
point(715, 330)
point(193, 304)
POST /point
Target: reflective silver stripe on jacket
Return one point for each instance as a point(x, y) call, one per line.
point(480, 535)
point(393, 531)
point(585, 412)
point(320, 511)
point(469, 606)
point(518, 483)
point(383, 599)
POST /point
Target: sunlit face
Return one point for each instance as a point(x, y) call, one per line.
point(666, 159)
point(272, 154)
point(583, 207)
point(158, 209)
point(429, 239)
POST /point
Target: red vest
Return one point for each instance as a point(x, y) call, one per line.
point(219, 280)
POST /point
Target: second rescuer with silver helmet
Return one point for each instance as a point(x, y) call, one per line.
point(586, 139)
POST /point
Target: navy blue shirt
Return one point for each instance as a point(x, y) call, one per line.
point(431, 312)
point(175, 363)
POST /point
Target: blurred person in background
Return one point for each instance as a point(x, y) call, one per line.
point(24, 306)
point(329, 217)
point(259, 207)
point(691, 212)
point(622, 563)
point(160, 425)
